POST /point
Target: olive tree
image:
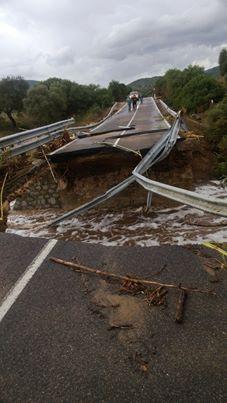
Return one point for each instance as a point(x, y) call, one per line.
point(12, 92)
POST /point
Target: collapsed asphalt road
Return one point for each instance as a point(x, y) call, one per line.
point(72, 337)
point(146, 117)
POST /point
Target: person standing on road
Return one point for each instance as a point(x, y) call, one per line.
point(134, 102)
point(129, 102)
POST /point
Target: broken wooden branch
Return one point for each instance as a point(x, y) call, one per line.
point(180, 306)
point(87, 270)
point(49, 165)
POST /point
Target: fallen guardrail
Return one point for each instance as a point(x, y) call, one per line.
point(19, 143)
point(206, 203)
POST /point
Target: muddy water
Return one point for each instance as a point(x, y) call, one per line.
point(180, 225)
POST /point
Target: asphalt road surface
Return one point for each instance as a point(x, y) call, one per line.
point(67, 337)
point(146, 117)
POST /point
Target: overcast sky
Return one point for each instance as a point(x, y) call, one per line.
point(95, 41)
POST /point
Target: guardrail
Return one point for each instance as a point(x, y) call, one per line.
point(28, 134)
point(15, 144)
point(169, 110)
point(205, 203)
point(26, 147)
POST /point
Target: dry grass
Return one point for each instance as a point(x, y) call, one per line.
point(222, 250)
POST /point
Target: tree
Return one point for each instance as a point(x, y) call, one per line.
point(118, 90)
point(198, 93)
point(56, 99)
point(190, 88)
point(216, 134)
point(12, 92)
point(174, 82)
point(103, 97)
point(45, 104)
point(217, 122)
point(223, 62)
point(192, 72)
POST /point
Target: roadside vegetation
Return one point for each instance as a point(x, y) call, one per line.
point(52, 100)
point(12, 92)
point(204, 97)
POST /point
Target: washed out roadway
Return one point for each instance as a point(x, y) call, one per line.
point(146, 117)
point(55, 345)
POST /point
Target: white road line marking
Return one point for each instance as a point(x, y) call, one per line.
point(117, 141)
point(21, 283)
point(102, 123)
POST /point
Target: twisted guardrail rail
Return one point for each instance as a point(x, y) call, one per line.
point(19, 143)
point(206, 203)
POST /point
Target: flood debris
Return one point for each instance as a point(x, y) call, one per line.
point(88, 270)
point(152, 292)
point(180, 306)
point(157, 296)
point(131, 287)
point(152, 296)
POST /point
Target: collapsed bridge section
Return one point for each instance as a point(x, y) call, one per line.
point(141, 128)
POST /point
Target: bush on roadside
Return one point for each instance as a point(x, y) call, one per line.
point(57, 99)
point(217, 133)
point(191, 89)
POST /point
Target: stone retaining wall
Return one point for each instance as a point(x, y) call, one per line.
point(41, 194)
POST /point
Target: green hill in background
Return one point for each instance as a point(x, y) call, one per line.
point(144, 85)
point(31, 83)
point(213, 71)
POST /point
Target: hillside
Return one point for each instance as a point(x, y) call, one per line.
point(31, 83)
point(213, 71)
point(144, 84)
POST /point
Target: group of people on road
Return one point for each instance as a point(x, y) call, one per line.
point(133, 99)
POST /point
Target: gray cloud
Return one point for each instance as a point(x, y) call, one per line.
point(98, 41)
